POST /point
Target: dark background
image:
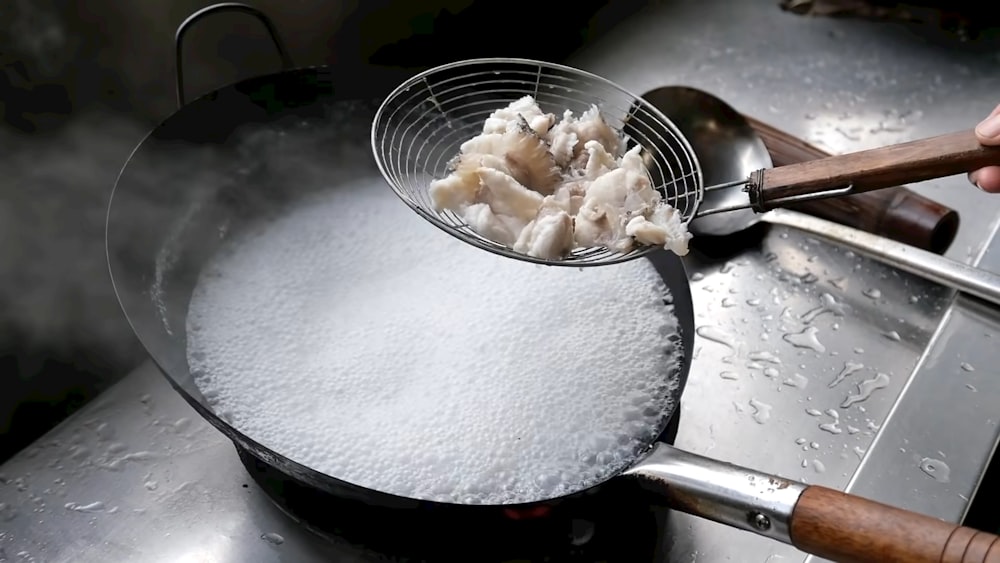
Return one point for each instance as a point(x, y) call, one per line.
point(82, 81)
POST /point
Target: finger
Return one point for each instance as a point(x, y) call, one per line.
point(988, 130)
point(987, 179)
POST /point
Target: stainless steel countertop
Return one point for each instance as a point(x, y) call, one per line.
point(169, 487)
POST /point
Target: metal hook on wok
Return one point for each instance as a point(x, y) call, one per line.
point(182, 29)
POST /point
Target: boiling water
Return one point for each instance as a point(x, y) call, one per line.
point(355, 338)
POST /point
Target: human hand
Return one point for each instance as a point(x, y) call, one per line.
point(988, 133)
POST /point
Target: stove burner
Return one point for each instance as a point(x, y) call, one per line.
point(617, 522)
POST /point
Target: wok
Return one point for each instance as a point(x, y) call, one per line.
point(202, 174)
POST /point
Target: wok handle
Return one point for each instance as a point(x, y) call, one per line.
point(814, 519)
point(897, 212)
point(873, 169)
point(842, 527)
point(182, 29)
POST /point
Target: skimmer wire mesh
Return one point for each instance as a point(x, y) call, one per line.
point(421, 125)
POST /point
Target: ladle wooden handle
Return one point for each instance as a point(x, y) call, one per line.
point(847, 528)
point(873, 169)
point(896, 213)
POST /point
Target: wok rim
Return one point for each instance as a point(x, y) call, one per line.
point(330, 483)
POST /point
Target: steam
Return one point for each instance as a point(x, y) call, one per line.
point(56, 292)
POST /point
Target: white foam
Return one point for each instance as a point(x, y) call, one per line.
point(359, 340)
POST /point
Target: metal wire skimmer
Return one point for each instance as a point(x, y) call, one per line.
point(423, 122)
point(421, 125)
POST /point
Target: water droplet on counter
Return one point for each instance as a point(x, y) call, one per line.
point(966, 367)
point(727, 267)
point(7, 513)
point(273, 538)
point(728, 375)
point(97, 506)
point(796, 380)
point(828, 304)
point(764, 357)
point(119, 464)
point(859, 452)
point(848, 369)
point(78, 452)
point(715, 335)
point(936, 469)
point(753, 302)
point(762, 411)
point(839, 283)
point(852, 429)
point(833, 427)
point(806, 339)
point(892, 335)
point(728, 302)
point(800, 441)
point(814, 445)
point(805, 463)
point(697, 276)
point(859, 351)
point(913, 300)
point(182, 424)
point(151, 485)
point(865, 389)
point(970, 387)
point(818, 466)
point(813, 412)
point(809, 277)
point(104, 432)
point(771, 372)
point(872, 293)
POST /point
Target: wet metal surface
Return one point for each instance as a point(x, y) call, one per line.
point(812, 363)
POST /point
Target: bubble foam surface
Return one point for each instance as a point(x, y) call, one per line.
point(355, 338)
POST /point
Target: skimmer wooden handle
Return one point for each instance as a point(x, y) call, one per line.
point(873, 169)
point(847, 528)
point(897, 212)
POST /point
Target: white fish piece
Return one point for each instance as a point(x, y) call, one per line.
point(662, 228)
point(528, 159)
point(599, 223)
point(632, 160)
point(525, 107)
point(568, 197)
point(481, 218)
point(518, 152)
point(506, 196)
point(550, 235)
point(544, 187)
point(592, 127)
point(455, 190)
point(599, 161)
point(563, 139)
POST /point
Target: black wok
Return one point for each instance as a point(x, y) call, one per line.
point(199, 176)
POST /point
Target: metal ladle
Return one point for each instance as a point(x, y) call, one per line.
point(729, 149)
